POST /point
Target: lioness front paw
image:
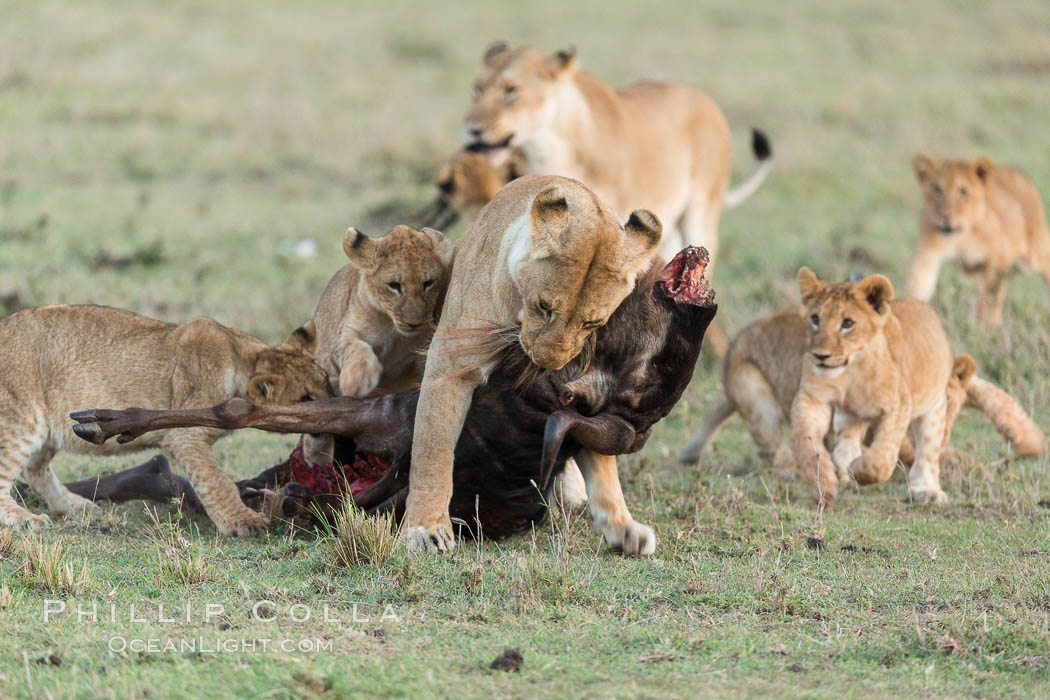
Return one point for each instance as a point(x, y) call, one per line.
point(632, 538)
point(360, 374)
point(433, 539)
point(22, 519)
point(933, 496)
point(244, 524)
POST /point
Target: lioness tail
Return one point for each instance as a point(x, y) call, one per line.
point(763, 151)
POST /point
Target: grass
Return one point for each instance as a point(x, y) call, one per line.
point(169, 157)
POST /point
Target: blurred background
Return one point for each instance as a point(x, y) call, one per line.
point(200, 158)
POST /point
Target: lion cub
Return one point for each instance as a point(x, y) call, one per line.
point(58, 359)
point(984, 217)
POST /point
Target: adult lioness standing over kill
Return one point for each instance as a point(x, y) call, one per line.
point(547, 254)
point(654, 144)
point(57, 359)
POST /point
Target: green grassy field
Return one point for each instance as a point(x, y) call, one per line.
point(168, 157)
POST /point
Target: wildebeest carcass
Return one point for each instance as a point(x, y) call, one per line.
point(522, 427)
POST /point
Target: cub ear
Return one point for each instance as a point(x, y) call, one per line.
point(877, 291)
point(550, 218)
point(303, 340)
point(445, 179)
point(561, 62)
point(982, 167)
point(360, 249)
point(442, 245)
point(643, 233)
point(924, 167)
point(494, 51)
point(265, 388)
point(809, 285)
point(963, 369)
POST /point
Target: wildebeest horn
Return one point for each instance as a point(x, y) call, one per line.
point(604, 433)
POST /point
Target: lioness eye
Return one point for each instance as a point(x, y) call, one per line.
point(428, 284)
point(847, 323)
point(395, 287)
point(815, 320)
point(509, 92)
point(545, 308)
point(938, 191)
point(962, 193)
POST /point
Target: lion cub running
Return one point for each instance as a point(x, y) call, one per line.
point(986, 218)
point(58, 359)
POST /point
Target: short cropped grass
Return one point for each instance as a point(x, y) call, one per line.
point(172, 158)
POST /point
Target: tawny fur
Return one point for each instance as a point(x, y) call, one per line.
point(1012, 421)
point(984, 217)
point(547, 254)
point(57, 359)
point(471, 179)
point(654, 144)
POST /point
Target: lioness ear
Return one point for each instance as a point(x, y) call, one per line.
point(963, 369)
point(359, 249)
point(562, 61)
point(302, 340)
point(264, 388)
point(924, 167)
point(809, 285)
point(982, 167)
point(643, 233)
point(550, 218)
point(494, 51)
point(877, 291)
point(442, 245)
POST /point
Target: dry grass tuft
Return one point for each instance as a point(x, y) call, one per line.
point(172, 557)
point(47, 565)
point(7, 542)
point(359, 539)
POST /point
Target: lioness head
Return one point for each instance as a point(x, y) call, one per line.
point(287, 374)
point(580, 264)
point(514, 95)
point(953, 192)
point(403, 272)
point(843, 318)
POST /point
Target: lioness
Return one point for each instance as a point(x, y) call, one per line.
point(661, 145)
point(55, 359)
point(761, 374)
point(986, 218)
point(875, 362)
point(545, 253)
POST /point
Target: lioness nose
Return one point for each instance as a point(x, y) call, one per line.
point(820, 356)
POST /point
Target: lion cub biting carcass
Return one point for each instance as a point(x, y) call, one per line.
point(546, 255)
point(57, 359)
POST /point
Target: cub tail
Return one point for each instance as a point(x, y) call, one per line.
point(692, 452)
point(1012, 422)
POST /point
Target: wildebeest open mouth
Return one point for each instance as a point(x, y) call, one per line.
point(480, 146)
point(683, 278)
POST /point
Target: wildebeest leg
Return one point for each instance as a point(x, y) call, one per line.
point(382, 425)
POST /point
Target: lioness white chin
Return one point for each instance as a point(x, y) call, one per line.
point(546, 255)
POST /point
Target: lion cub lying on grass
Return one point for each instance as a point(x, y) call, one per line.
point(57, 359)
point(986, 218)
point(761, 375)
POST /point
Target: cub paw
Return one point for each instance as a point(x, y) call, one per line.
point(79, 508)
point(360, 374)
point(24, 520)
point(933, 496)
point(246, 524)
point(784, 463)
point(632, 538)
point(432, 539)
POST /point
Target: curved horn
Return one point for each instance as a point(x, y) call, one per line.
point(604, 433)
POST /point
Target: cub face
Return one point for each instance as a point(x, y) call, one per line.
point(514, 94)
point(403, 272)
point(287, 373)
point(843, 318)
point(580, 266)
point(472, 178)
point(953, 192)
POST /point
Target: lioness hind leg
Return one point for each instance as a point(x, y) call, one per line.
point(609, 513)
point(59, 499)
point(924, 478)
